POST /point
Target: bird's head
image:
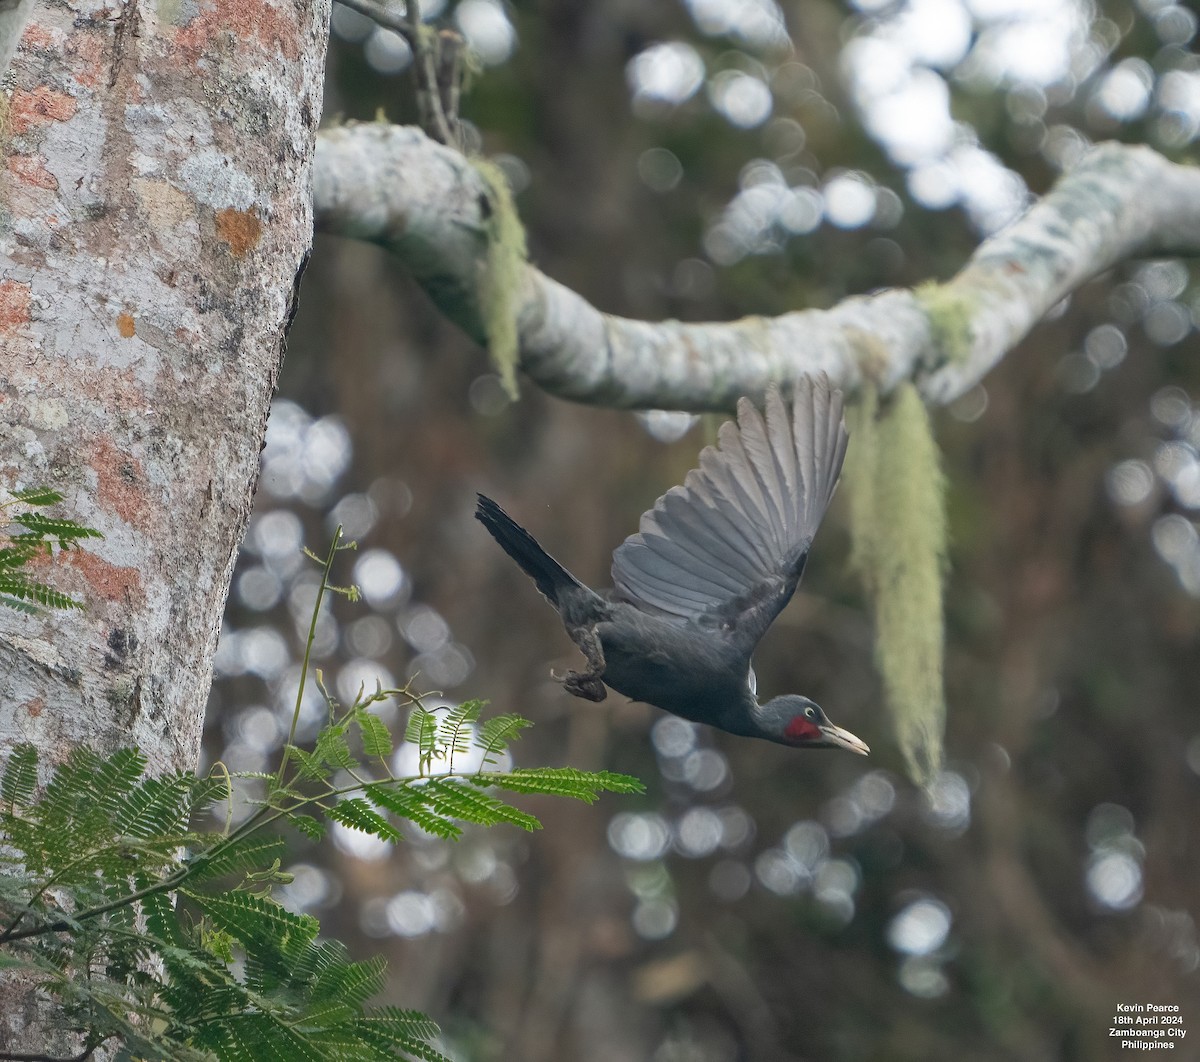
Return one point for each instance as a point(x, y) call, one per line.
point(797, 721)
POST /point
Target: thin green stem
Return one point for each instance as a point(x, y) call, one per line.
point(312, 635)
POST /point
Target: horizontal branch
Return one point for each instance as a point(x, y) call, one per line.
point(429, 206)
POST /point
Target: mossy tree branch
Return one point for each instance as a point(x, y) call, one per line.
point(429, 206)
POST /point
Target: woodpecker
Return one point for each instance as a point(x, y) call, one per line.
point(711, 566)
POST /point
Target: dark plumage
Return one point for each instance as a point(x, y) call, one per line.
point(712, 565)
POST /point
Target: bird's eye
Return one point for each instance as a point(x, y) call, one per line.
point(810, 712)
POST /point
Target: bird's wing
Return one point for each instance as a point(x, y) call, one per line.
point(728, 546)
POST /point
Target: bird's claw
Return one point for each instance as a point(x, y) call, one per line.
point(581, 684)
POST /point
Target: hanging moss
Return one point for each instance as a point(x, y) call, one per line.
point(502, 273)
point(898, 528)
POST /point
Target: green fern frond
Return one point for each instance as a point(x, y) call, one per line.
point(242, 854)
point(154, 807)
point(310, 827)
point(351, 984)
point(422, 731)
point(39, 496)
point(15, 603)
point(25, 590)
point(254, 920)
point(497, 733)
point(456, 731)
point(311, 767)
point(17, 590)
point(376, 739)
point(66, 531)
point(410, 802)
point(333, 749)
point(359, 815)
point(390, 1030)
point(20, 776)
point(451, 797)
point(561, 781)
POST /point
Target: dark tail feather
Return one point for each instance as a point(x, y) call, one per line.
point(551, 577)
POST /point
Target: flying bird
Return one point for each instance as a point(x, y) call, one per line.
point(712, 565)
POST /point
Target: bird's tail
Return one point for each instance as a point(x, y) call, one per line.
point(551, 577)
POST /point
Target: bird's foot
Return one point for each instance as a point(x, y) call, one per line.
point(582, 684)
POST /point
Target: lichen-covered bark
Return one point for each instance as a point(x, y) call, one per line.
point(155, 213)
point(428, 205)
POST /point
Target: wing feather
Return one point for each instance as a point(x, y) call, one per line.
point(684, 516)
point(730, 544)
point(694, 563)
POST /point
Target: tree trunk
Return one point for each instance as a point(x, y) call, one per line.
point(155, 216)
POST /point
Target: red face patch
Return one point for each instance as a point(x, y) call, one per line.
point(801, 729)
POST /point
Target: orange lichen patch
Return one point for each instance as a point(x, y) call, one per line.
point(125, 325)
point(31, 170)
point(34, 707)
point(227, 23)
point(120, 483)
point(37, 37)
point(39, 106)
point(107, 581)
point(14, 305)
point(240, 229)
point(90, 52)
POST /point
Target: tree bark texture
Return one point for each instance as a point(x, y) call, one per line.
point(428, 205)
point(155, 216)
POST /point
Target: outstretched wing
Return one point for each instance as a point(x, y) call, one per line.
point(728, 547)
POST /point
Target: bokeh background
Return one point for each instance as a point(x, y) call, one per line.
point(707, 159)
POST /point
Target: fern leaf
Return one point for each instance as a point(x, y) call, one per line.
point(408, 1031)
point(156, 806)
point(422, 731)
point(162, 919)
point(408, 1022)
point(63, 530)
point(211, 789)
point(561, 781)
point(332, 748)
point(496, 733)
point(350, 983)
point(259, 1037)
point(241, 855)
point(20, 776)
point(359, 815)
point(409, 802)
point(457, 730)
point(70, 798)
point(451, 797)
point(312, 828)
point(115, 775)
point(389, 1034)
point(16, 604)
point(376, 740)
point(18, 552)
point(254, 920)
point(311, 766)
point(27, 590)
point(37, 496)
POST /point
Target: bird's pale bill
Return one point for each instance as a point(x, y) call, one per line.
point(843, 739)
